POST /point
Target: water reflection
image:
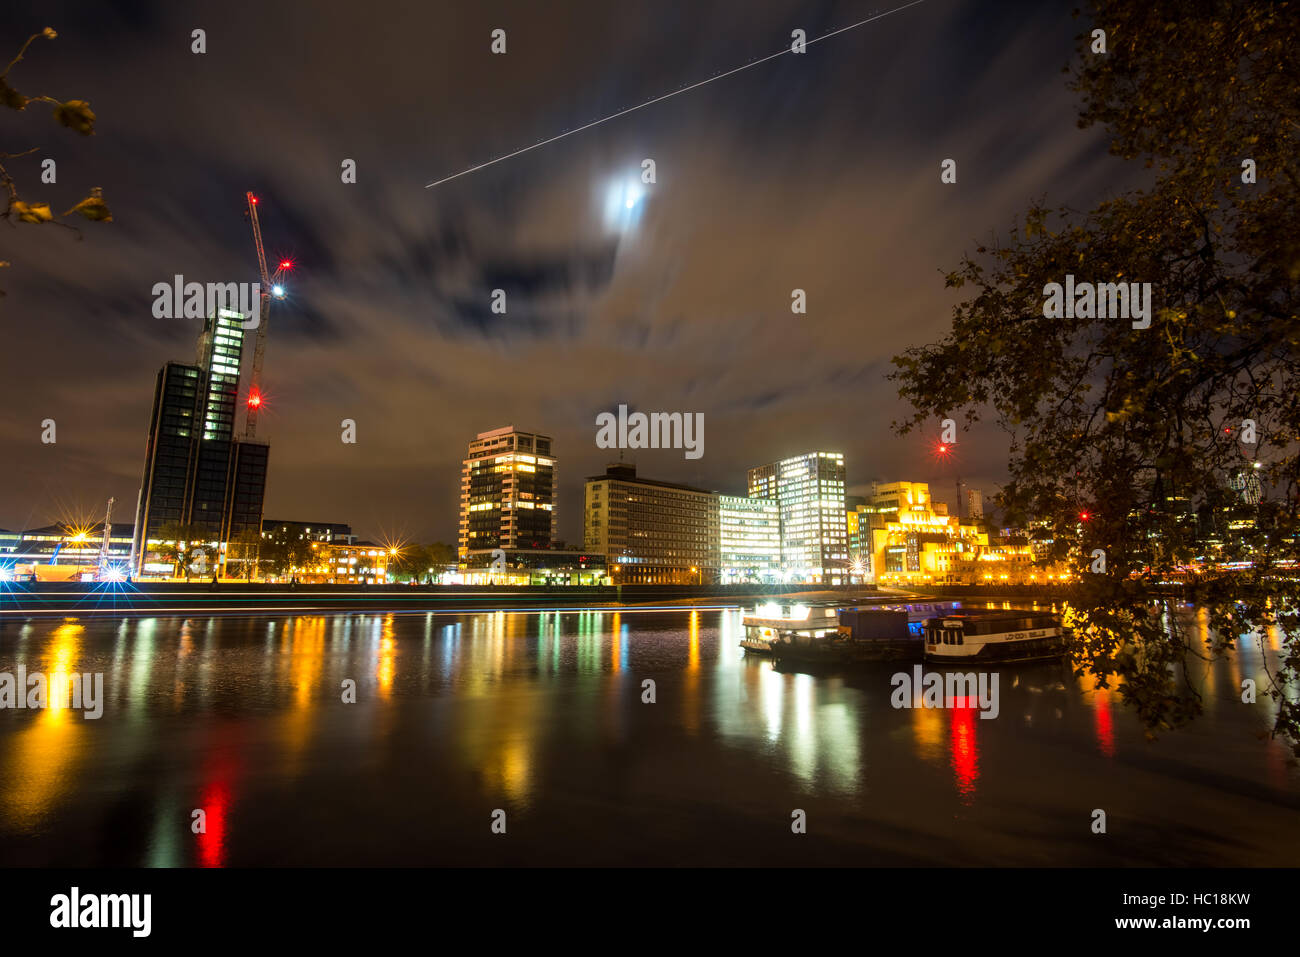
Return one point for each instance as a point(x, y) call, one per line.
point(245, 719)
point(44, 756)
point(965, 748)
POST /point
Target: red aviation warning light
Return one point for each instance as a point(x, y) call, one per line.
point(1083, 516)
point(254, 400)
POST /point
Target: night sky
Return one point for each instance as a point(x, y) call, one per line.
point(818, 171)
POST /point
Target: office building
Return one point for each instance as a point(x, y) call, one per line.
point(196, 471)
point(62, 546)
point(809, 490)
point(651, 532)
point(749, 539)
point(507, 492)
point(861, 518)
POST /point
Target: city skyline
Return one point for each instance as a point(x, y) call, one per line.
point(383, 325)
point(802, 434)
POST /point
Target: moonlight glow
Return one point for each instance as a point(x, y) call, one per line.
point(623, 204)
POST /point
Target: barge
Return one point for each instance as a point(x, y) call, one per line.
point(771, 623)
point(827, 636)
point(1015, 635)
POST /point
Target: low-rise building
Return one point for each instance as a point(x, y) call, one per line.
point(532, 566)
point(340, 563)
point(308, 531)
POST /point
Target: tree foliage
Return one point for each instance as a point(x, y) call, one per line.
point(283, 550)
point(180, 544)
point(423, 563)
point(1143, 430)
point(75, 115)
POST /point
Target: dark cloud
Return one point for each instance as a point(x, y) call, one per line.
point(817, 172)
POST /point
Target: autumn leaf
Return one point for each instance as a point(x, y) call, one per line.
point(10, 97)
point(93, 207)
point(32, 212)
point(76, 115)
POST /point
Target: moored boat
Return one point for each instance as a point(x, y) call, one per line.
point(1015, 635)
point(770, 623)
point(825, 636)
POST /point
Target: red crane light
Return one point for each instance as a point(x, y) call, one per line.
point(254, 400)
point(286, 264)
point(1083, 516)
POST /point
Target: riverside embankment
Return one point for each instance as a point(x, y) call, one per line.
point(170, 598)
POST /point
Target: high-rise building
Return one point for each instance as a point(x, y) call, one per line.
point(651, 532)
point(809, 490)
point(974, 505)
point(749, 538)
point(168, 453)
point(196, 472)
point(763, 481)
point(507, 492)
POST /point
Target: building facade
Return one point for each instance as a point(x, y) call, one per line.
point(63, 552)
point(196, 472)
point(915, 541)
point(651, 532)
point(749, 539)
point(809, 490)
point(308, 531)
point(507, 492)
point(341, 563)
point(527, 566)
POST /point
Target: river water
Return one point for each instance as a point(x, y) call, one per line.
point(537, 722)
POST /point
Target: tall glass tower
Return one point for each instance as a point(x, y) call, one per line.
point(809, 490)
point(196, 472)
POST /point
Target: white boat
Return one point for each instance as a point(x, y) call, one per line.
point(771, 622)
point(994, 636)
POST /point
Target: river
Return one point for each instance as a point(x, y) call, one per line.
point(527, 738)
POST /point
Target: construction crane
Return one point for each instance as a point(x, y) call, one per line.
point(103, 545)
point(270, 289)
